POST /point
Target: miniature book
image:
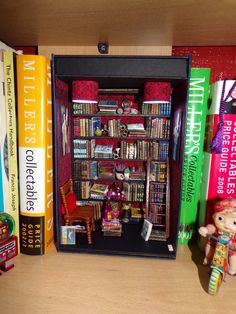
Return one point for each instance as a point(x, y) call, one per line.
point(146, 231)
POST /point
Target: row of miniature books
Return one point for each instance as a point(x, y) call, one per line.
point(98, 191)
point(103, 170)
point(156, 187)
point(140, 149)
point(111, 227)
point(159, 150)
point(146, 108)
point(158, 167)
point(157, 197)
point(84, 108)
point(155, 128)
point(157, 208)
point(134, 191)
point(156, 108)
point(157, 192)
point(158, 127)
point(86, 169)
point(85, 126)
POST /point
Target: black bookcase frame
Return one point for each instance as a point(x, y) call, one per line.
point(126, 72)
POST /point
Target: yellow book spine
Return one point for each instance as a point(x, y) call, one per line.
point(10, 102)
point(35, 153)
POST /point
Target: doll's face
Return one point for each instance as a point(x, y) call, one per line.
point(226, 221)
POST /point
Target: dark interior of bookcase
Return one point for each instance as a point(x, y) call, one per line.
point(122, 72)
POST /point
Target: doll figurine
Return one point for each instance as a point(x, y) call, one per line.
point(224, 221)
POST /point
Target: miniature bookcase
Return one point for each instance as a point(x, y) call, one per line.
point(118, 133)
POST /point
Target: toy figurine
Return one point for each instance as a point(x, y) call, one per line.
point(8, 242)
point(224, 224)
point(108, 210)
point(126, 212)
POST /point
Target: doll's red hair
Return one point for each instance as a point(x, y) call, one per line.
point(228, 203)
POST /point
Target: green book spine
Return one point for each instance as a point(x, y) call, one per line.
point(193, 152)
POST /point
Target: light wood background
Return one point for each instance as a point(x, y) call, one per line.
point(73, 283)
point(120, 22)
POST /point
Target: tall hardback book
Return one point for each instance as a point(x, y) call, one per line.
point(219, 168)
point(198, 93)
point(11, 131)
point(4, 199)
point(35, 153)
point(3, 144)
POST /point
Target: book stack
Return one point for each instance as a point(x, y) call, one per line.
point(157, 235)
point(111, 227)
point(107, 106)
point(103, 151)
point(136, 130)
point(99, 191)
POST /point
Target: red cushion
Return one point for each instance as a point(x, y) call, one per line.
point(71, 202)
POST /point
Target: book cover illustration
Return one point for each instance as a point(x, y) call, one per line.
point(68, 235)
point(193, 151)
point(99, 188)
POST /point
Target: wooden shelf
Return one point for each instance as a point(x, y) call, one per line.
point(122, 24)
